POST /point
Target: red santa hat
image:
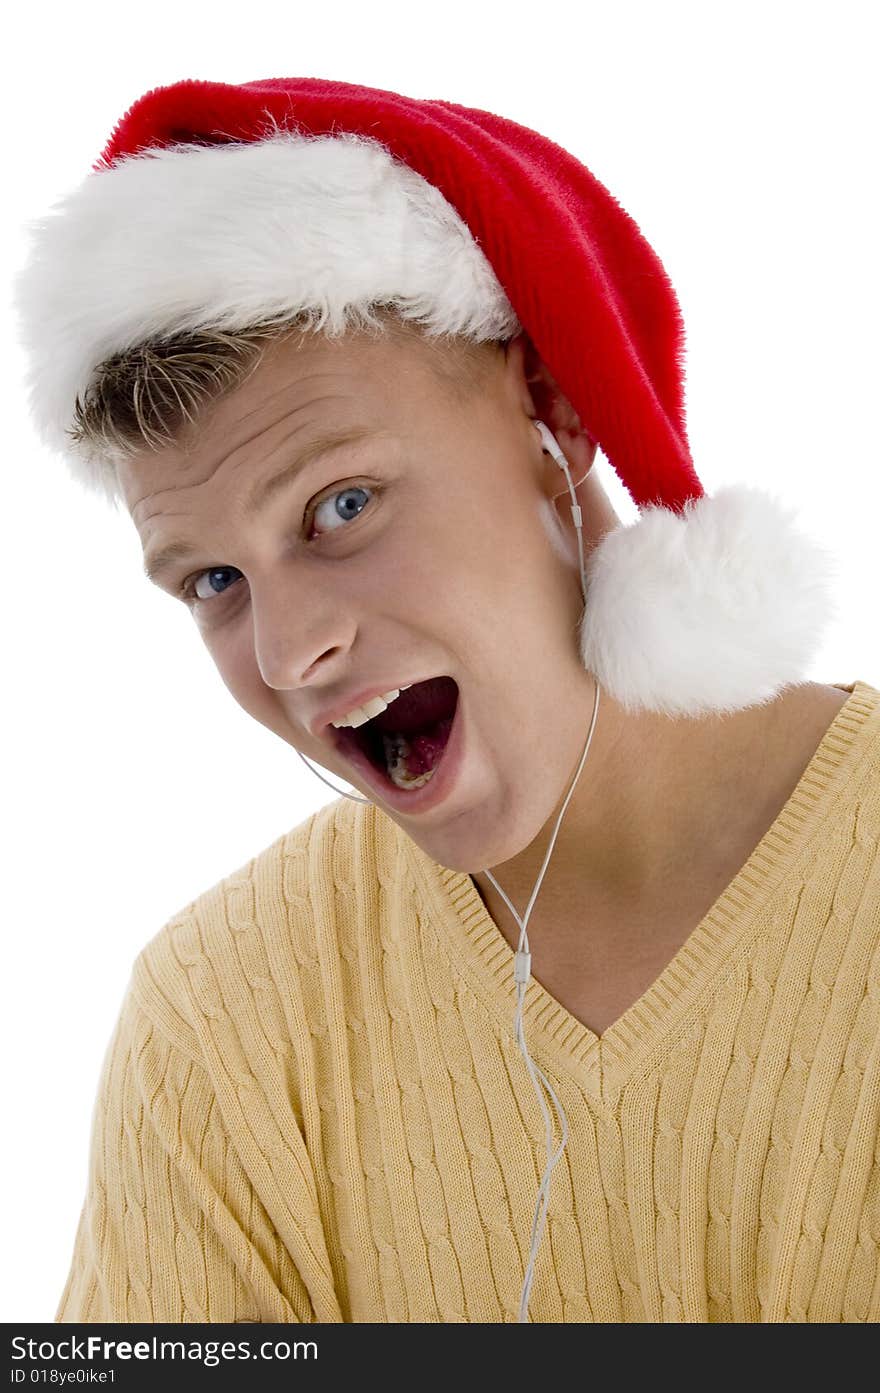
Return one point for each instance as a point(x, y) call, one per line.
point(219, 206)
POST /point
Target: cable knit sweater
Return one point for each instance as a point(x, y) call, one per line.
point(313, 1109)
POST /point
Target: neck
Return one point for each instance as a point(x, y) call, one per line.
point(654, 793)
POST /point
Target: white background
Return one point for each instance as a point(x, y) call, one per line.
point(742, 139)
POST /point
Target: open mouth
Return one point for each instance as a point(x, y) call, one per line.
point(405, 743)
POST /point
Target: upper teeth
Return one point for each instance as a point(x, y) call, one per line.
point(360, 714)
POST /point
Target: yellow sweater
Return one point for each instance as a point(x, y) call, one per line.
point(313, 1109)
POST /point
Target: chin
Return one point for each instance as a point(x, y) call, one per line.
point(475, 840)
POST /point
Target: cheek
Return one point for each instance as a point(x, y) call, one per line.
point(236, 663)
point(234, 658)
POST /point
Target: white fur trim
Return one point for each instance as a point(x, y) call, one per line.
point(709, 610)
point(193, 236)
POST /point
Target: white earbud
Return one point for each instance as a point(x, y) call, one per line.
point(552, 446)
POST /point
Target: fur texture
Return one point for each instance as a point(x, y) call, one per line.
point(189, 236)
point(706, 611)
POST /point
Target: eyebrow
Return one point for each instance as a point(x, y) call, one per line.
point(261, 495)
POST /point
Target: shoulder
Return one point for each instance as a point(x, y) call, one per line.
point(253, 944)
point(851, 746)
point(830, 736)
point(837, 802)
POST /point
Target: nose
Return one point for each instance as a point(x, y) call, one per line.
point(298, 638)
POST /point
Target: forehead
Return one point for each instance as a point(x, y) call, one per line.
point(303, 385)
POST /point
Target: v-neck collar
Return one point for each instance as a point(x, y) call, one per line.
point(602, 1064)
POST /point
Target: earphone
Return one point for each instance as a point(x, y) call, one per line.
point(523, 957)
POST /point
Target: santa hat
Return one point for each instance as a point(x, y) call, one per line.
point(220, 206)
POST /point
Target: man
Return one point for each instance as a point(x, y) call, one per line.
point(461, 493)
point(313, 1107)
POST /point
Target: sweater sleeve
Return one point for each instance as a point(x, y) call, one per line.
point(170, 1230)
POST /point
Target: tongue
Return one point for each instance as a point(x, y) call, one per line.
point(424, 704)
point(428, 747)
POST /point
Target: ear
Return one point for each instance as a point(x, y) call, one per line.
point(541, 398)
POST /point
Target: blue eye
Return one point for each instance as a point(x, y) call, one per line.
point(348, 510)
point(192, 589)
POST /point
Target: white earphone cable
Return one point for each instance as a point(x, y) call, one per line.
point(355, 797)
point(522, 973)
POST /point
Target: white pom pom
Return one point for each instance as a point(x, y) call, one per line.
point(709, 610)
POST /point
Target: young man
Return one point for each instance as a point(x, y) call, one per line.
point(315, 1105)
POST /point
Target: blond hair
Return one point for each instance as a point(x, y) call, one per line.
point(146, 396)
